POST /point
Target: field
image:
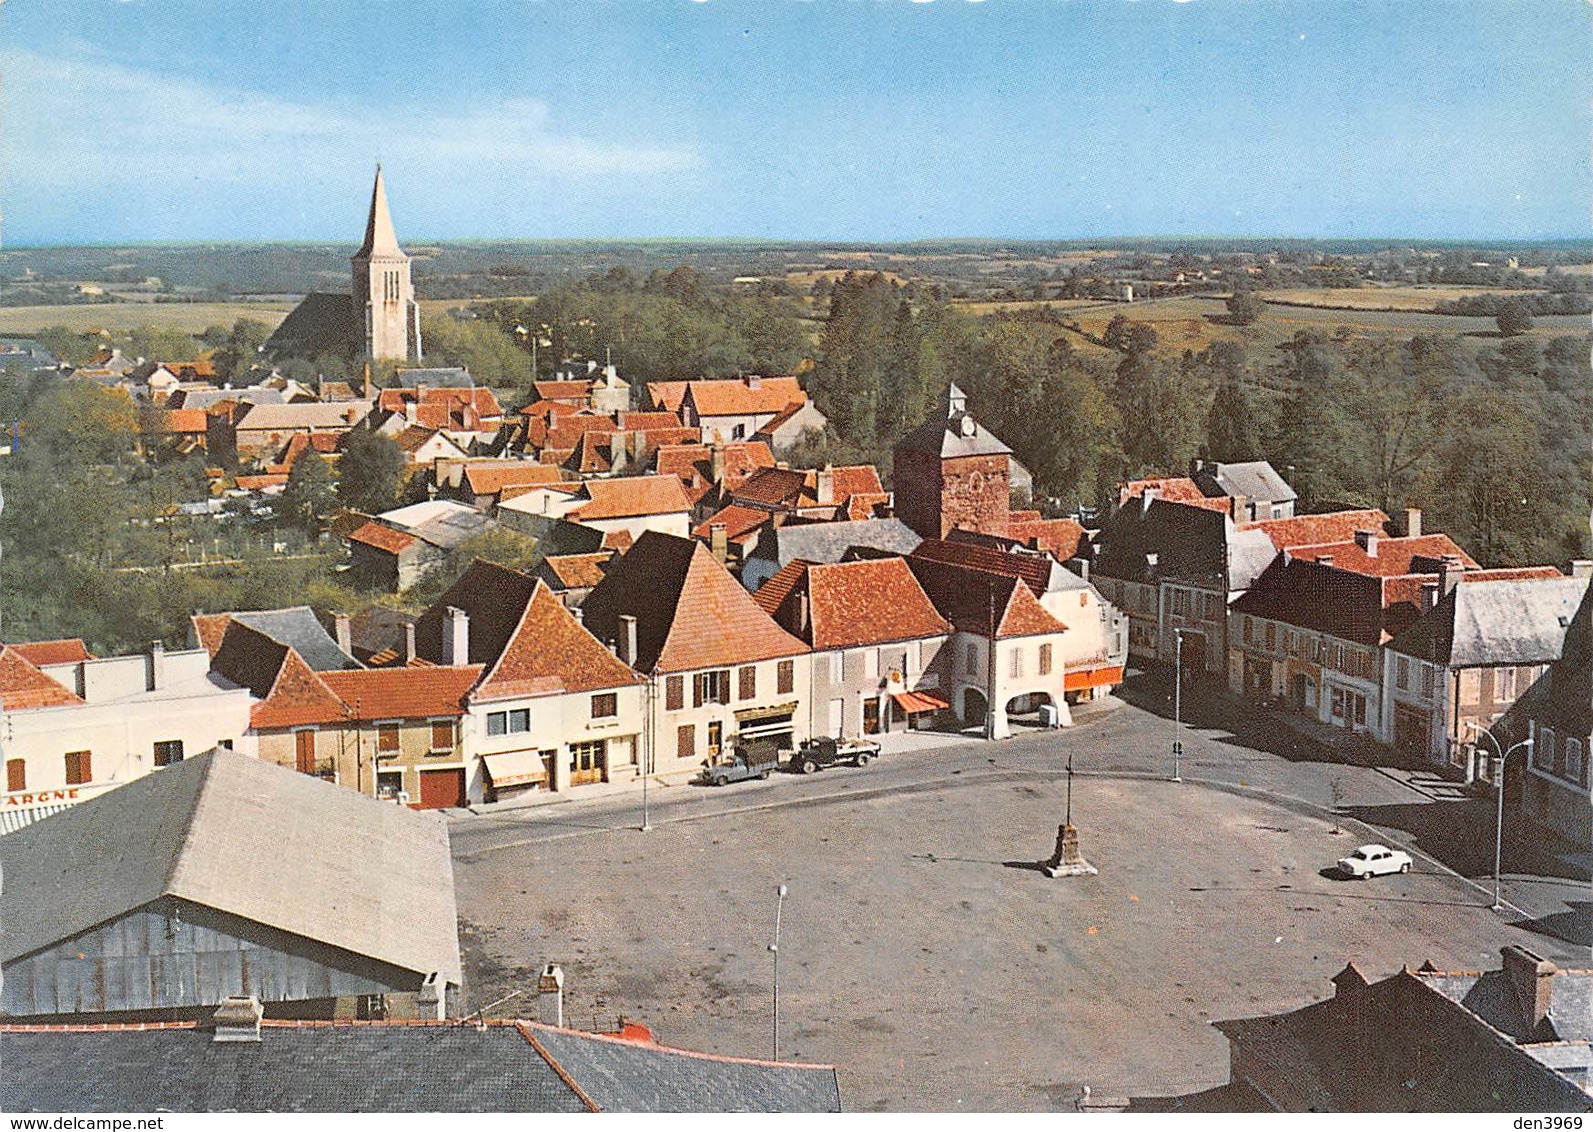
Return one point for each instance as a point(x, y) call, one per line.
point(1411, 298)
point(190, 318)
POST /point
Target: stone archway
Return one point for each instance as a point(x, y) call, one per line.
point(974, 707)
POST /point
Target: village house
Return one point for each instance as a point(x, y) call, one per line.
point(787, 428)
point(258, 431)
point(730, 409)
point(224, 875)
point(879, 661)
point(77, 725)
point(1556, 713)
point(553, 708)
point(1262, 492)
point(572, 576)
point(711, 473)
point(631, 505)
point(1473, 651)
point(394, 550)
point(1006, 654)
point(720, 671)
point(485, 483)
point(1093, 653)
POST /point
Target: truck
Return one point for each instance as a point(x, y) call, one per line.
point(822, 751)
point(753, 760)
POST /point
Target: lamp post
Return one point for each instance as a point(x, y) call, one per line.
point(1498, 824)
point(774, 949)
point(1178, 702)
point(1070, 788)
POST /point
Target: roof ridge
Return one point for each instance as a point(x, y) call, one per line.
point(553, 1064)
point(179, 858)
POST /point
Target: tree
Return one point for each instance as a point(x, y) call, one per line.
point(1244, 307)
point(309, 496)
point(1231, 432)
point(1513, 318)
point(370, 475)
point(242, 349)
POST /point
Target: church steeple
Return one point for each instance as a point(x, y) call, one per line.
point(380, 239)
point(383, 291)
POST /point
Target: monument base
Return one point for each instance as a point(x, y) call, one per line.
point(1079, 868)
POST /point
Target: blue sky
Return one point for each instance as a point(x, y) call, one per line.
point(859, 120)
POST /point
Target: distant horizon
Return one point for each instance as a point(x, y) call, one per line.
point(160, 122)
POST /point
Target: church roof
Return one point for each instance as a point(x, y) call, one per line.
point(950, 430)
point(380, 239)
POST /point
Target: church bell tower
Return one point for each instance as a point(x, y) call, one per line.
point(382, 287)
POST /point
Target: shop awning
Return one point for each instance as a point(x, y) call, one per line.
point(516, 768)
point(1080, 678)
point(914, 702)
point(762, 714)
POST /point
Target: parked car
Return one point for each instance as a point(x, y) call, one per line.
point(755, 761)
point(1374, 860)
point(822, 751)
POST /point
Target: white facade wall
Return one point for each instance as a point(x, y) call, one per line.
point(854, 677)
point(554, 723)
point(1016, 673)
point(668, 756)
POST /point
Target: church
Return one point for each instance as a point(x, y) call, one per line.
point(379, 319)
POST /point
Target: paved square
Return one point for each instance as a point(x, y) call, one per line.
point(934, 973)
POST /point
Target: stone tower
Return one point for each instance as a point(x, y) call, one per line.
point(952, 474)
point(382, 288)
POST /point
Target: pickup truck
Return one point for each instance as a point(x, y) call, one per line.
point(756, 761)
point(823, 751)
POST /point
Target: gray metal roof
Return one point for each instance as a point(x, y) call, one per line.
point(299, 628)
point(622, 1076)
point(440, 377)
point(1250, 552)
point(1495, 622)
point(366, 876)
point(828, 542)
point(950, 430)
point(313, 1068)
point(1256, 480)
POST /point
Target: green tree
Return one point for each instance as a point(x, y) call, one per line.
point(1244, 306)
point(68, 345)
point(241, 353)
point(309, 496)
point(370, 474)
point(1513, 318)
point(1231, 432)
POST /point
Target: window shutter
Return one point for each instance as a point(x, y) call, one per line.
point(749, 682)
point(697, 682)
point(674, 693)
point(724, 686)
point(16, 774)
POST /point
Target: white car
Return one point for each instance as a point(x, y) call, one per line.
point(1374, 860)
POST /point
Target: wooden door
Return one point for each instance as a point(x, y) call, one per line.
point(442, 788)
point(304, 752)
point(716, 734)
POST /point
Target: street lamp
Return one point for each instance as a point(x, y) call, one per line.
point(1178, 702)
point(774, 949)
point(1498, 826)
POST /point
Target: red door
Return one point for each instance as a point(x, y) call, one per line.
point(440, 788)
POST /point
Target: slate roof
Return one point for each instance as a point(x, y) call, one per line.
point(403, 693)
point(322, 323)
point(1323, 599)
point(368, 877)
point(297, 627)
point(975, 601)
point(951, 431)
point(388, 1067)
point(1189, 543)
point(1256, 480)
point(1562, 698)
point(849, 604)
point(1495, 622)
point(23, 685)
point(289, 692)
point(829, 542)
point(690, 612)
point(443, 523)
point(68, 650)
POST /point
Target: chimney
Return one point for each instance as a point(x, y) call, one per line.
point(456, 636)
point(351, 415)
point(550, 996)
point(1449, 574)
point(826, 486)
point(716, 463)
point(1147, 497)
point(1582, 567)
point(343, 631)
point(1367, 541)
point(430, 999)
point(802, 611)
point(1529, 979)
point(616, 450)
point(783, 465)
point(627, 638)
point(754, 381)
point(1239, 508)
point(237, 1019)
point(1413, 522)
point(1324, 560)
point(580, 617)
point(157, 665)
point(719, 543)
point(411, 412)
point(409, 641)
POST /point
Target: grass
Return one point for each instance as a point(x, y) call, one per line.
point(1409, 298)
point(189, 318)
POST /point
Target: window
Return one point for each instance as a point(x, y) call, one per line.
point(674, 693)
point(442, 735)
point(1429, 681)
point(837, 668)
point(588, 760)
point(1504, 685)
point(1250, 629)
point(1402, 673)
point(786, 677)
point(971, 661)
point(168, 751)
point(1543, 750)
point(738, 432)
point(519, 720)
point(686, 741)
point(605, 705)
point(712, 687)
point(16, 774)
point(1272, 636)
point(79, 768)
point(387, 738)
point(304, 751)
point(508, 722)
point(497, 723)
point(1017, 662)
point(1573, 759)
point(1045, 660)
point(748, 681)
point(389, 784)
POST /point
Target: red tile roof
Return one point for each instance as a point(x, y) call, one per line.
point(383, 538)
point(977, 601)
point(23, 686)
point(1058, 537)
point(577, 571)
point(562, 390)
point(260, 483)
point(1314, 530)
point(631, 497)
point(545, 409)
point(492, 478)
point(1175, 489)
point(743, 396)
point(850, 479)
point(620, 540)
point(690, 612)
point(667, 395)
point(68, 650)
point(298, 696)
point(871, 601)
point(772, 487)
point(1393, 557)
point(1034, 569)
point(631, 419)
point(867, 505)
point(739, 522)
point(183, 421)
point(403, 693)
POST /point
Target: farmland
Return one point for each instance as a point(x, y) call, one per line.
point(189, 318)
